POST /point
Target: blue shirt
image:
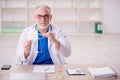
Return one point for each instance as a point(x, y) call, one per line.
point(43, 56)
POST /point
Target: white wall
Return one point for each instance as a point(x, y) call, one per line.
point(111, 16)
point(0, 20)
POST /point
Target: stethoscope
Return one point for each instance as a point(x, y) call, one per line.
point(36, 28)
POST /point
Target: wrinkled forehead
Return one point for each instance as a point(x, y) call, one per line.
point(42, 11)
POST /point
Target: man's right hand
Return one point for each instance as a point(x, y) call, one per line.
point(27, 48)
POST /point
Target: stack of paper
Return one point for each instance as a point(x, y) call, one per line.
point(75, 71)
point(101, 72)
point(27, 76)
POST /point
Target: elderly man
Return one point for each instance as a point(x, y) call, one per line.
point(43, 43)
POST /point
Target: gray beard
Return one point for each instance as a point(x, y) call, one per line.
point(43, 27)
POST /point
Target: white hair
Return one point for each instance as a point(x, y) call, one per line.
point(42, 6)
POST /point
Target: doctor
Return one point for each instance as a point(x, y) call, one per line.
point(43, 43)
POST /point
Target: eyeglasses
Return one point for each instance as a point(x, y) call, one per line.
point(42, 16)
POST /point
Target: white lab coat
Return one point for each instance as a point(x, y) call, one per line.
point(57, 56)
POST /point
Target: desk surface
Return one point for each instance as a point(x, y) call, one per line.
point(5, 74)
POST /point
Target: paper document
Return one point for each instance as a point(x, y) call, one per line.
point(101, 72)
point(27, 76)
point(44, 69)
point(75, 71)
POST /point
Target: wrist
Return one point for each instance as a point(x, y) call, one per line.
point(57, 44)
point(26, 54)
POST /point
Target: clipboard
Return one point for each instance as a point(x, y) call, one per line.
point(75, 71)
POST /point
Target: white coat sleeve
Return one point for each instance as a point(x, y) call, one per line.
point(65, 47)
point(20, 50)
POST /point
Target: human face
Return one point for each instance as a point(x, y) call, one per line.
point(43, 17)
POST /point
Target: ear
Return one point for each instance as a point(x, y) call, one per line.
point(50, 17)
point(34, 17)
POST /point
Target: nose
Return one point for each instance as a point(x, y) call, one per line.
point(43, 18)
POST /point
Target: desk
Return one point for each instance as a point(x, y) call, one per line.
point(5, 74)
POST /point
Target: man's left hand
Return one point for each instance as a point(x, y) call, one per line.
point(51, 36)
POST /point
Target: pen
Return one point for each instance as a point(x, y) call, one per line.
point(79, 71)
point(46, 69)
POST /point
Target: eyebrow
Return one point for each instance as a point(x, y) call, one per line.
point(43, 15)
